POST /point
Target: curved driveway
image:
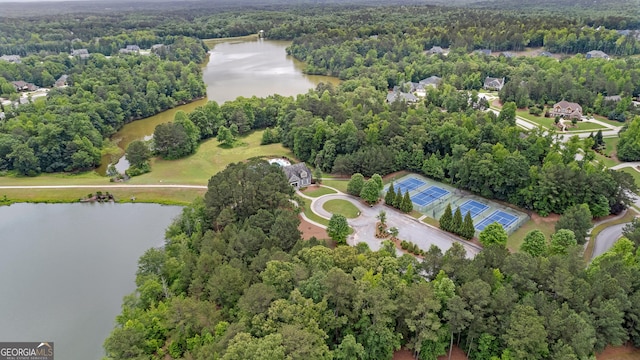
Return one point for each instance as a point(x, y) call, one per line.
point(606, 238)
point(409, 228)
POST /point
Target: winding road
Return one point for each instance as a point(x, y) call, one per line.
point(606, 238)
point(410, 229)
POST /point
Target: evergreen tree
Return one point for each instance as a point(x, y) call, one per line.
point(397, 203)
point(599, 139)
point(390, 196)
point(468, 230)
point(456, 224)
point(446, 219)
point(407, 205)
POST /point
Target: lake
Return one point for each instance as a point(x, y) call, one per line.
point(247, 67)
point(66, 267)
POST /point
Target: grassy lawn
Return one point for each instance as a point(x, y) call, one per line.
point(212, 42)
point(306, 209)
point(612, 144)
point(610, 122)
point(337, 184)
point(628, 217)
point(342, 207)
point(87, 178)
point(540, 120)
point(515, 240)
point(634, 173)
point(431, 221)
point(609, 162)
point(583, 126)
point(317, 192)
point(160, 196)
point(210, 159)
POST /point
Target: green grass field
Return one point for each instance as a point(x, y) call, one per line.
point(341, 185)
point(342, 207)
point(210, 159)
point(605, 120)
point(611, 145)
point(515, 240)
point(585, 126)
point(609, 162)
point(306, 209)
point(634, 173)
point(540, 120)
point(317, 192)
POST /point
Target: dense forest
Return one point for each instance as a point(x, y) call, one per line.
point(65, 131)
point(235, 281)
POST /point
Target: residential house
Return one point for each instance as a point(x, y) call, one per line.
point(435, 50)
point(432, 81)
point(130, 49)
point(567, 110)
point(157, 47)
point(614, 98)
point(24, 86)
point(493, 83)
point(597, 54)
point(508, 54)
point(62, 81)
point(11, 58)
point(401, 96)
point(483, 52)
point(298, 175)
point(81, 53)
point(545, 54)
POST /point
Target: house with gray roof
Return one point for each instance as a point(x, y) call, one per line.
point(545, 54)
point(483, 52)
point(597, 54)
point(401, 96)
point(298, 175)
point(130, 49)
point(81, 53)
point(567, 110)
point(614, 98)
point(435, 50)
point(432, 81)
point(508, 54)
point(24, 86)
point(62, 81)
point(493, 83)
point(11, 58)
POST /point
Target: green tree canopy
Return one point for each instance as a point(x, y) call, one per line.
point(577, 219)
point(338, 229)
point(494, 233)
point(534, 243)
point(370, 191)
point(355, 185)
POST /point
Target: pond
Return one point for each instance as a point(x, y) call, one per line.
point(247, 67)
point(66, 267)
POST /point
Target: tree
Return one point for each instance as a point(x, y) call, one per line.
point(382, 217)
point(370, 192)
point(468, 230)
point(561, 241)
point(494, 233)
point(349, 349)
point(508, 113)
point(446, 220)
point(397, 203)
point(407, 204)
point(378, 179)
point(526, 336)
point(225, 137)
point(338, 229)
point(24, 160)
point(629, 145)
point(577, 219)
point(456, 223)
point(317, 175)
point(138, 153)
point(390, 196)
point(355, 185)
point(534, 243)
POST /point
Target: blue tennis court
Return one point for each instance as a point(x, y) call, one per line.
point(408, 184)
point(498, 216)
point(429, 195)
point(473, 207)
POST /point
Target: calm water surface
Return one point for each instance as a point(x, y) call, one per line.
point(64, 269)
point(235, 68)
point(256, 67)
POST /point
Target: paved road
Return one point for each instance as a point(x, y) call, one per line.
point(633, 164)
point(177, 186)
point(410, 229)
point(606, 238)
